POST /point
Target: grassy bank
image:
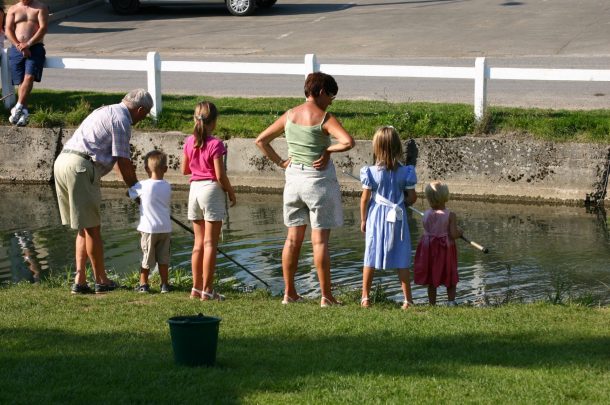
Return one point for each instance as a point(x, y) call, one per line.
point(116, 348)
point(242, 117)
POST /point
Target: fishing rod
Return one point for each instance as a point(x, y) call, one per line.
point(188, 229)
point(470, 242)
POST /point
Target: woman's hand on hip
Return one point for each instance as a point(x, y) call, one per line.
point(322, 161)
point(285, 163)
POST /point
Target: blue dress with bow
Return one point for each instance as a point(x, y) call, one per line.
point(388, 242)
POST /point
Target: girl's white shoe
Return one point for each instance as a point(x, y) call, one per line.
point(289, 300)
point(195, 293)
point(206, 296)
point(326, 302)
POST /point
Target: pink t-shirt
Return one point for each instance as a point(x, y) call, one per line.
point(201, 160)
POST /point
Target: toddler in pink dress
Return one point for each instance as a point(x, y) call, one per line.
point(436, 254)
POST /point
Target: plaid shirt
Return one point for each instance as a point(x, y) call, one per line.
point(104, 135)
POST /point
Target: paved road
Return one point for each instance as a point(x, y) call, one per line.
point(541, 33)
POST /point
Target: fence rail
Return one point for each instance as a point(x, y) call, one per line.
point(480, 73)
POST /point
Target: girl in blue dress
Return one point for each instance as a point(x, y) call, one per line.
point(386, 187)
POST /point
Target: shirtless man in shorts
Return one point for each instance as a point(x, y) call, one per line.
point(26, 25)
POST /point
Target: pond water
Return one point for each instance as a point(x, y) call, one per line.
point(536, 251)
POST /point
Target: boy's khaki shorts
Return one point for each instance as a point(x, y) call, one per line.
point(155, 249)
point(78, 191)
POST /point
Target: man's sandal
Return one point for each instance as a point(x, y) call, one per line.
point(365, 302)
point(206, 296)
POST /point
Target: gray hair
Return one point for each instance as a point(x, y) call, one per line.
point(138, 98)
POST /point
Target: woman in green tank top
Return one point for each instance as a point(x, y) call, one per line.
point(311, 192)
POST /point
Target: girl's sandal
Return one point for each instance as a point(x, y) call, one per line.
point(326, 302)
point(195, 294)
point(365, 302)
point(289, 300)
point(206, 296)
point(406, 304)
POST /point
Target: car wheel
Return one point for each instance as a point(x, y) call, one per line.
point(241, 7)
point(125, 6)
point(265, 3)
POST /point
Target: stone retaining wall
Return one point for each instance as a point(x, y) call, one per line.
point(474, 167)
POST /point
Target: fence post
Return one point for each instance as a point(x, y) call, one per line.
point(311, 64)
point(153, 71)
point(480, 87)
point(5, 76)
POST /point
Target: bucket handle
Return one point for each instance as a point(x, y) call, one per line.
point(185, 321)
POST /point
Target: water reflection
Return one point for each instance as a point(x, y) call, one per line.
point(536, 250)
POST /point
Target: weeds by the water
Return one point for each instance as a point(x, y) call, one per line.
point(560, 291)
point(378, 295)
point(509, 295)
point(179, 278)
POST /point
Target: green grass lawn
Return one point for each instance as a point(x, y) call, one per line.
point(116, 348)
point(246, 117)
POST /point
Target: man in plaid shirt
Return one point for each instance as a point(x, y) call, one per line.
point(100, 142)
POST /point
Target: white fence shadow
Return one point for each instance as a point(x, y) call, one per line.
point(480, 73)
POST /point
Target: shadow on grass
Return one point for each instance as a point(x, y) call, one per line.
point(57, 365)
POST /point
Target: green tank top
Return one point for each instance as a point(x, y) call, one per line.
point(306, 143)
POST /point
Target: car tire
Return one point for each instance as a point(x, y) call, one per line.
point(265, 3)
point(125, 6)
point(241, 7)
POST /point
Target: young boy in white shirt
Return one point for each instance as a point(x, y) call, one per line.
point(155, 222)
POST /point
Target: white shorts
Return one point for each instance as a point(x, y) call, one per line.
point(313, 197)
point(207, 201)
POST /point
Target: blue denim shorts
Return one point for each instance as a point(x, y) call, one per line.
point(21, 66)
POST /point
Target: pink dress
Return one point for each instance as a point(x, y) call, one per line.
point(436, 254)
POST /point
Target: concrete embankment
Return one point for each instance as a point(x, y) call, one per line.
point(499, 168)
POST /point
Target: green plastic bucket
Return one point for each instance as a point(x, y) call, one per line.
point(194, 339)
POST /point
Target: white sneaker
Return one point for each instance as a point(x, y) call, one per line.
point(23, 120)
point(15, 114)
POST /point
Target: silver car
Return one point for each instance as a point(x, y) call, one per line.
point(235, 7)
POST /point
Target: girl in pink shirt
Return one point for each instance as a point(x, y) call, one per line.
point(203, 160)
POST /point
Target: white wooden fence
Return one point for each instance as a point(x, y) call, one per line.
point(480, 73)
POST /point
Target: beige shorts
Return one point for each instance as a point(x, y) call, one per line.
point(207, 200)
point(155, 249)
point(78, 191)
point(312, 196)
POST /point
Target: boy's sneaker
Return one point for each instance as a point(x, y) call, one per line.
point(165, 288)
point(104, 288)
point(143, 288)
point(80, 289)
point(25, 117)
point(15, 115)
